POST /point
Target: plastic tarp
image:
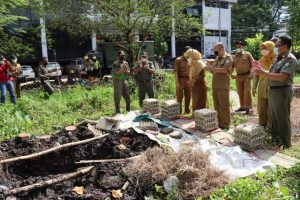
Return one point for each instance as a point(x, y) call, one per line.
point(232, 159)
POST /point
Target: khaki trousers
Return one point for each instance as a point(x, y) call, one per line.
point(222, 106)
point(17, 86)
point(243, 85)
point(264, 112)
point(183, 90)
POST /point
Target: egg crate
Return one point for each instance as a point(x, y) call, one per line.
point(206, 119)
point(151, 106)
point(148, 125)
point(249, 136)
point(107, 124)
point(170, 109)
point(169, 115)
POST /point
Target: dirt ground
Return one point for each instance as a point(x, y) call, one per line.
point(97, 184)
point(295, 120)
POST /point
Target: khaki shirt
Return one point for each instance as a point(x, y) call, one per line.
point(144, 74)
point(181, 67)
point(242, 63)
point(222, 81)
point(287, 64)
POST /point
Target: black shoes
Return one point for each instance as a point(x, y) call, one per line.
point(240, 110)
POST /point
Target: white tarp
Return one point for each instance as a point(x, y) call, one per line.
point(232, 159)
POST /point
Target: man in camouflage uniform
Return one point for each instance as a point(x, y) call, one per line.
point(280, 77)
point(144, 75)
point(120, 71)
point(221, 69)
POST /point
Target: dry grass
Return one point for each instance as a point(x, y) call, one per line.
point(197, 178)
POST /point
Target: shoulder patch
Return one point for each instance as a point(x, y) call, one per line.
point(227, 61)
point(286, 64)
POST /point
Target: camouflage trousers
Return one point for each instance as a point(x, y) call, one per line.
point(145, 88)
point(121, 89)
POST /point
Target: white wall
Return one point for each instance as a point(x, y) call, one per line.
point(211, 22)
point(211, 18)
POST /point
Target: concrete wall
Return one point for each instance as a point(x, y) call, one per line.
point(211, 22)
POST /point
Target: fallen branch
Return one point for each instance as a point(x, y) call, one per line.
point(48, 182)
point(34, 155)
point(86, 121)
point(107, 160)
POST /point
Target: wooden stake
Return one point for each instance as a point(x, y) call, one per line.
point(107, 160)
point(34, 155)
point(41, 184)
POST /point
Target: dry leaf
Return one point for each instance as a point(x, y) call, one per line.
point(121, 147)
point(78, 190)
point(117, 193)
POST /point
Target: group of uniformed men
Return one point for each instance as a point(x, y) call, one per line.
point(272, 75)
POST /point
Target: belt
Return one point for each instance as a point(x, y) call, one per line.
point(244, 74)
point(184, 77)
point(145, 81)
point(278, 87)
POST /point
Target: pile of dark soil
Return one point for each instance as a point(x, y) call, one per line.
point(98, 184)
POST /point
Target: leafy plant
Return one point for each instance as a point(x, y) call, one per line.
point(279, 184)
point(253, 45)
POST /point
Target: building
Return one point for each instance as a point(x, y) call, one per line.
point(215, 16)
point(217, 25)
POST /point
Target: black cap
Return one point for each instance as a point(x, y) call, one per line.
point(187, 48)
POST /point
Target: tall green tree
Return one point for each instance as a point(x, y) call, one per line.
point(250, 17)
point(126, 20)
point(11, 37)
point(294, 22)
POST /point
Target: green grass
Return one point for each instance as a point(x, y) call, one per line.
point(280, 184)
point(36, 115)
point(297, 78)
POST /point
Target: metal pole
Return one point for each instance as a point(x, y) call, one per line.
point(43, 33)
point(94, 41)
point(173, 38)
point(219, 21)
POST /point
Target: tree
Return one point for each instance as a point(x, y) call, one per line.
point(11, 37)
point(294, 22)
point(250, 17)
point(253, 45)
point(125, 20)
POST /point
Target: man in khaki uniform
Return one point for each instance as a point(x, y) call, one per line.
point(242, 64)
point(181, 72)
point(221, 69)
point(120, 71)
point(144, 75)
point(280, 77)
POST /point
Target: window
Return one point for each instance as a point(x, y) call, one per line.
point(216, 4)
point(215, 33)
point(193, 11)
